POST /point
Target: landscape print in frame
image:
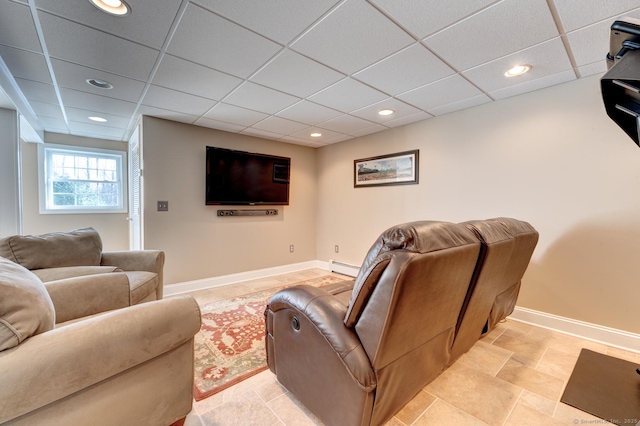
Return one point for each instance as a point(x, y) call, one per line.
point(393, 169)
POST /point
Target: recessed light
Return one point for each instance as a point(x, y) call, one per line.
point(112, 7)
point(315, 135)
point(386, 112)
point(517, 70)
point(98, 119)
point(100, 84)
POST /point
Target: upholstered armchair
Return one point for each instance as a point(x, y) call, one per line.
point(356, 357)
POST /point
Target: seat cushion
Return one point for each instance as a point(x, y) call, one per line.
point(53, 274)
point(25, 306)
point(81, 247)
point(143, 286)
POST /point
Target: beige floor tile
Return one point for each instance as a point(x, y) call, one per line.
point(208, 404)
point(270, 391)
point(563, 342)
point(478, 394)
point(415, 407)
point(525, 351)
point(486, 357)
point(516, 328)
point(523, 415)
point(193, 419)
point(493, 335)
point(394, 422)
point(246, 409)
point(537, 402)
point(291, 412)
point(557, 364)
point(622, 354)
point(532, 380)
point(442, 413)
point(569, 414)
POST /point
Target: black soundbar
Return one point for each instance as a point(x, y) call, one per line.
point(267, 212)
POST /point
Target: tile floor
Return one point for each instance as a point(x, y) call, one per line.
point(513, 376)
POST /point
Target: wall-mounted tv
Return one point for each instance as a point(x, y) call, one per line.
point(244, 178)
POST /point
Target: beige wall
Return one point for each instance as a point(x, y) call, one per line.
point(199, 244)
point(113, 227)
point(551, 157)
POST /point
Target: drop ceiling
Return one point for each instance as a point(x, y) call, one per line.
point(283, 69)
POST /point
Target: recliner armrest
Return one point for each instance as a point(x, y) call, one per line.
point(60, 362)
point(137, 260)
point(326, 313)
point(79, 297)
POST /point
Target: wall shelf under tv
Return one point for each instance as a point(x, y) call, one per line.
point(261, 212)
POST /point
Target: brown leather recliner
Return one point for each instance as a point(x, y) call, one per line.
point(356, 358)
point(507, 247)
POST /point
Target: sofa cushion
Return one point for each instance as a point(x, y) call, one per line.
point(81, 247)
point(25, 306)
point(54, 274)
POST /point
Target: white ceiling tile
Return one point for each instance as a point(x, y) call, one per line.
point(26, 65)
point(91, 102)
point(173, 100)
point(346, 124)
point(261, 133)
point(369, 130)
point(220, 125)
point(550, 80)
point(148, 23)
point(370, 112)
point(281, 20)
point(599, 67)
point(185, 76)
point(504, 28)
point(82, 116)
point(442, 92)
point(166, 114)
point(546, 59)
point(340, 44)
point(292, 73)
point(575, 14)
point(75, 77)
point(303, 142)
point(43, 109)
point(98, 129)
point(17, 28)
point(235, 115)
point(210, 40)
point(279, 125)
point(410, 68)
point(336, 139)
point(53, 124)
point(408, 119)
point(306, 135)
point(425, 17)
point(348, 95)
point(309, 113)
point(92, 48)
point(260, 98)
point(35, 91)
point(460, 105)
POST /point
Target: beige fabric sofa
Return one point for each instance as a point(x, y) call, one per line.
point(82, 279)
point(110, 363)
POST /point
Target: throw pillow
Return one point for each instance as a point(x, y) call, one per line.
point(25, 306)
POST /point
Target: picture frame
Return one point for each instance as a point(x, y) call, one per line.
point(400, 168)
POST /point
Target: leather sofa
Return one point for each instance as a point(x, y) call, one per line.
point(109, 361)
point(355, 354)
point(80, 277)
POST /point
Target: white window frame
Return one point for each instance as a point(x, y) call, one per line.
point(45, 183)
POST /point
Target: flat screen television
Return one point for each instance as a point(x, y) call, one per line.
point(244, 178)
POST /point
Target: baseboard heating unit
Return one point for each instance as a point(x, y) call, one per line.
point(344, 268)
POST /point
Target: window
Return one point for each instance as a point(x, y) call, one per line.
point(77, 179)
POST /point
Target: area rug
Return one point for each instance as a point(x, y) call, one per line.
point(605, 387)
point(230, 347)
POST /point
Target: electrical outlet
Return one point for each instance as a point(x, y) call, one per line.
point(163, 206)
point(337, 249)
point(291, 248)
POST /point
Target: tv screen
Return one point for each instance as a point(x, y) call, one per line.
point(244, 178)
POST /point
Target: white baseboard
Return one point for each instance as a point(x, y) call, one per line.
point(187, 286)
point(584, 330)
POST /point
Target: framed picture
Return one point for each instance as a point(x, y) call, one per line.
point(393, 169)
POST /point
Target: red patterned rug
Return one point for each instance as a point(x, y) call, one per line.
point(229, 347)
